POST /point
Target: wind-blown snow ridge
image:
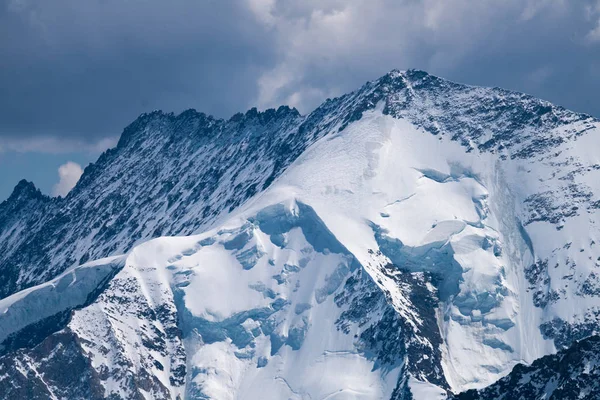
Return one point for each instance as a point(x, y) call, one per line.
point(29, 308)
point(413, 238)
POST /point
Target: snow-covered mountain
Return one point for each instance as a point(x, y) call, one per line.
point(412, 239)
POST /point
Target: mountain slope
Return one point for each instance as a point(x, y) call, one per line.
point(572, 373)
point(419, 235)
point(168, 175)
point(237, 312)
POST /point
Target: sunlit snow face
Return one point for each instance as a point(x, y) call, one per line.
point(270, 294)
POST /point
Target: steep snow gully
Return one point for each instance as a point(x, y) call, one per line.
point(414, 239)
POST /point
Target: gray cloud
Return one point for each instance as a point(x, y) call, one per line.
point(534, 46)
point(85, 68)
point(81, 70)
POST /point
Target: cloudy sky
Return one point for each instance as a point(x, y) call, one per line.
point(74, 73)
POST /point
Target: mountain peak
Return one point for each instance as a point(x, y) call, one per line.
point(265, 116)
point(410, 73)
point(156, 118)
point(25, 196)
point(490, 119)
point(25, 190)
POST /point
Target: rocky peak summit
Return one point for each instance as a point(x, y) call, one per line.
point(25, 190)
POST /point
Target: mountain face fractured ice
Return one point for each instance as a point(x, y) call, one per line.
point(413, 239)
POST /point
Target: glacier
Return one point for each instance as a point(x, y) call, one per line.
point(416, 238)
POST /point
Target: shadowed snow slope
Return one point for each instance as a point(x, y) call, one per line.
point(411, 239)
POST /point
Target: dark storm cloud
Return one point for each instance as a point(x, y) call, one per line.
point(550, 48)
point(81, 70)
point(86, 68)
